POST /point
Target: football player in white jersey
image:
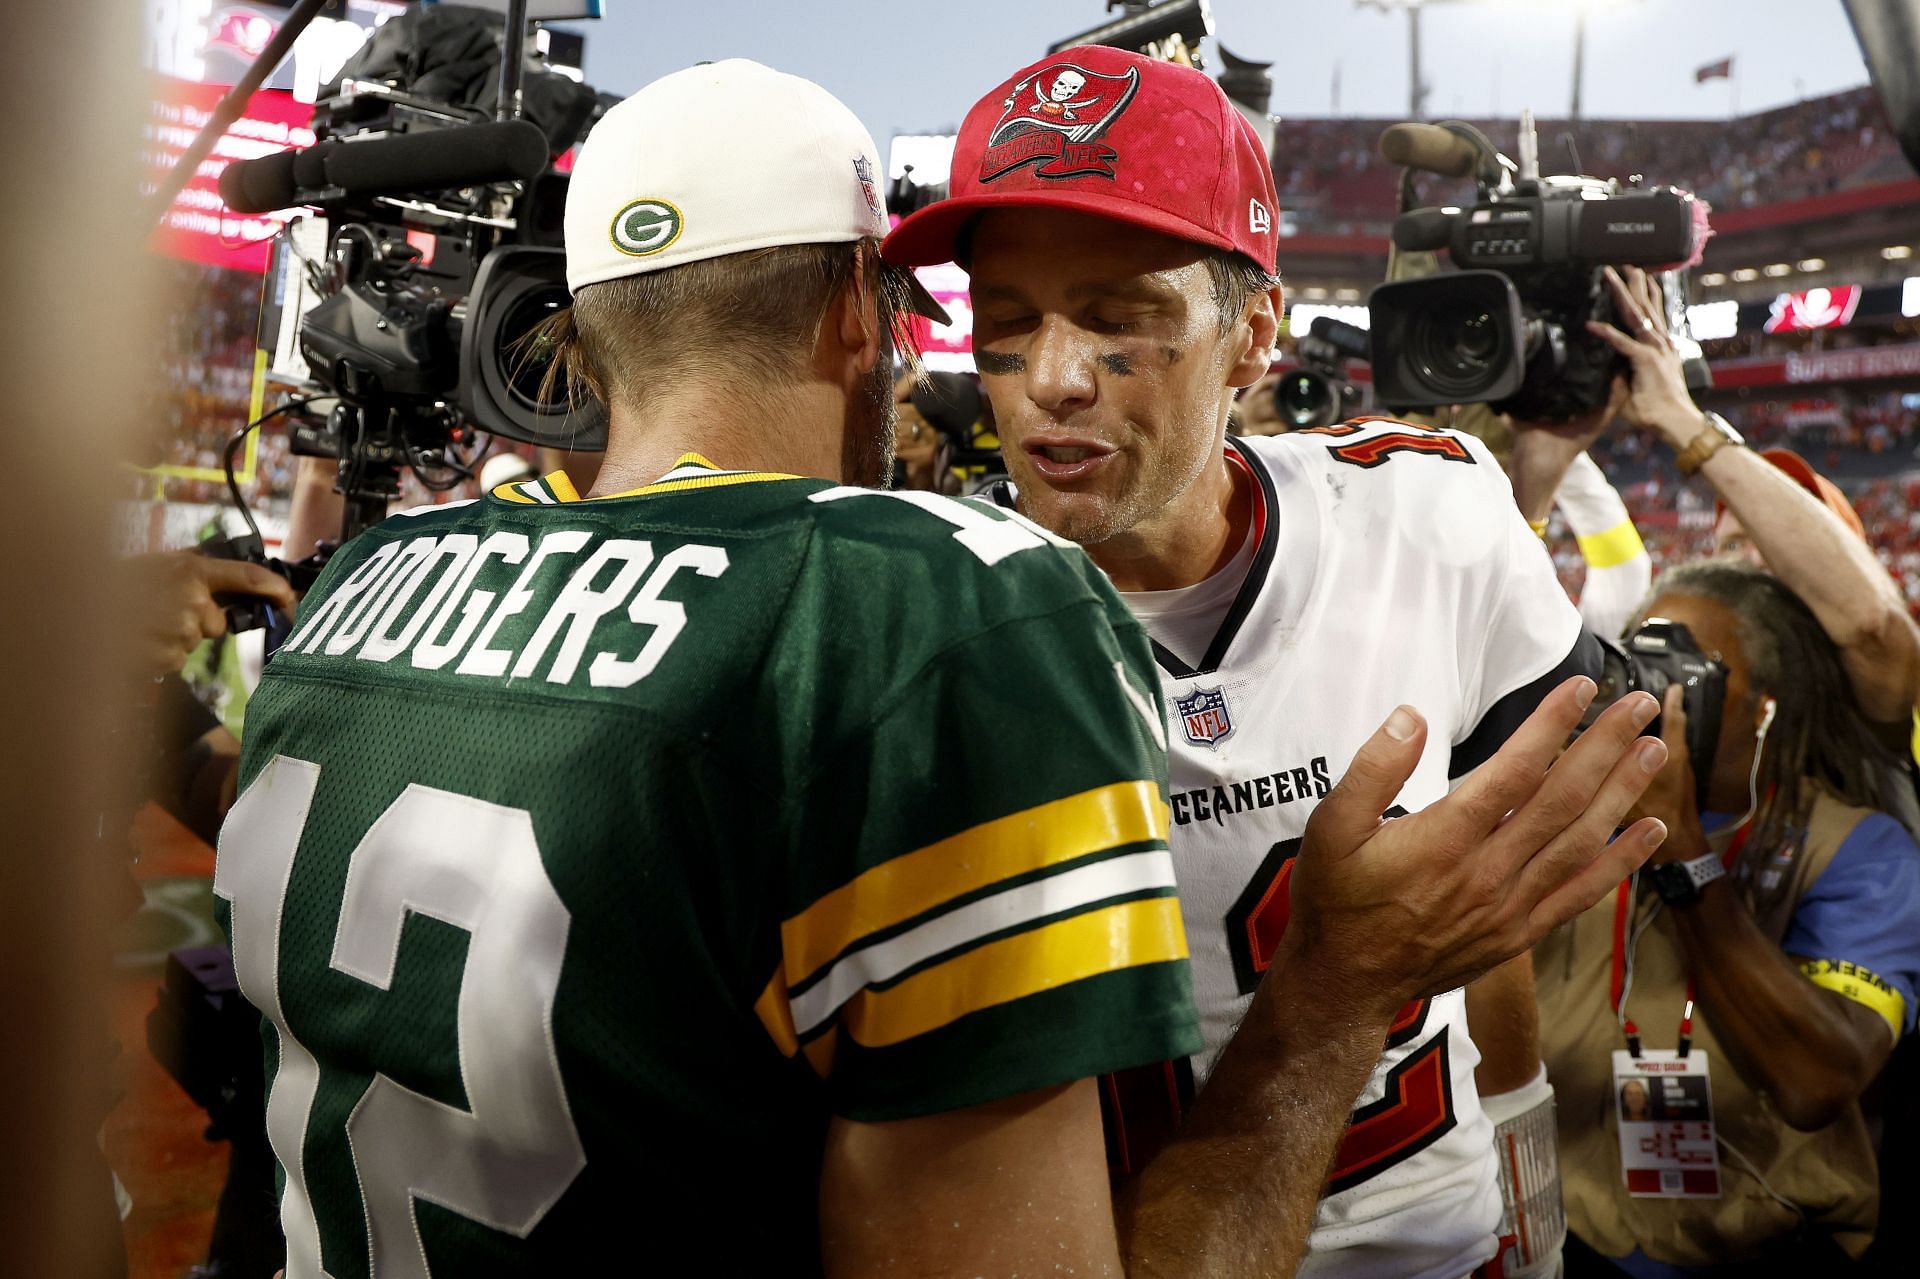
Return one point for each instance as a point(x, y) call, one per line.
point(1297, 588)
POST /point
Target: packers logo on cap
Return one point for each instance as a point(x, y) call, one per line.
point(645, 227)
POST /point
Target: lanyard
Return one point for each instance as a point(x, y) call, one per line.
point(1624, 940)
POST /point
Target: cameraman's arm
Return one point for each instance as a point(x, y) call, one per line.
point(1807, 547)
point(1804, 544)
point(198, 762)
point(317, 511)
point(172, 605)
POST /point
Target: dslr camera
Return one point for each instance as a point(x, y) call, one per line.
point(1507, 327)
point(1656, 656)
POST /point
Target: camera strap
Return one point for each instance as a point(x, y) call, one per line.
point(1626, 938)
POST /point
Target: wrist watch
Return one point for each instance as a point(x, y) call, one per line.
point(1715, 434)
point(1679, 883)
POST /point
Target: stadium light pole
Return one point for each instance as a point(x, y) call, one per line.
point(1416, 87)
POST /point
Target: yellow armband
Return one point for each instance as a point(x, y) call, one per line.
point(1865, 988)
point(1612, 548)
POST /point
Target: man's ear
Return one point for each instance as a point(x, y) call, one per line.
point(1258, 332)
point(856, 313)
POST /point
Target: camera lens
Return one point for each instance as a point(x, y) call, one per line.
point(1305, 399)
point(524, 358)
point(1457, 348)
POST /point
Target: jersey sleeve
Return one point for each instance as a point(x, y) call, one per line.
point(983, 898)
point(1524, 638)
point(1619, 570)
point(1858, 926)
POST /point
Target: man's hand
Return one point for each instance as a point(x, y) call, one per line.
point(1657, 396)
point(1423, 904)
point(1671, 796)
point(175, 609)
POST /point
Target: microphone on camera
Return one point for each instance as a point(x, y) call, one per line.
point(436, 159)
point(1431, 149)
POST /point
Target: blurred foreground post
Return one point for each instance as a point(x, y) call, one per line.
point(74, 338)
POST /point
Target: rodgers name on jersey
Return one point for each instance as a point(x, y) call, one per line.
point(1389, 566)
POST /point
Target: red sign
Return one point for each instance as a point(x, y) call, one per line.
point(1814, 309)
point(199, 226)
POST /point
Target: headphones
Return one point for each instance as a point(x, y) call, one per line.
point(1766, 720)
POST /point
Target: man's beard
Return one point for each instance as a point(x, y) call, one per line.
point(866, 442)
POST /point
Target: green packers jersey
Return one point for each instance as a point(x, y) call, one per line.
point(592, 855)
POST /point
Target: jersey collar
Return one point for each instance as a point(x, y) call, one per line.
point(1266, 536)
point(690, 471)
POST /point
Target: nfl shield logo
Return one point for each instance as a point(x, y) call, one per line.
point(1203, 714)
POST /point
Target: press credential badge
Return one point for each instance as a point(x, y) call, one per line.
point(1665, 1107)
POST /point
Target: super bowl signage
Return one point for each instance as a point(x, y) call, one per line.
point(199, 226)
point(1813, 309)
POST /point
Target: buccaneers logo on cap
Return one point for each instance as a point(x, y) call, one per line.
point(1053, 118)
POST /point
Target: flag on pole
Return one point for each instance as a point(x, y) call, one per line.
point(1721, 70)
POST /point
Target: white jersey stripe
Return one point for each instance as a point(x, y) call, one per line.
point(1023, 904)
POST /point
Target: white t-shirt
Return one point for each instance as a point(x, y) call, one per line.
point(1386, 564)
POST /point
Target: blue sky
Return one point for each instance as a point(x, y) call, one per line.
point(912, 66)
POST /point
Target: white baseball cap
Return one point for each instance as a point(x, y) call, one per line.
point(721, 158)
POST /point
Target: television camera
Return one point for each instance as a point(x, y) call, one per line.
point(1507, 327)
point(441, 250)
point(1317, 391)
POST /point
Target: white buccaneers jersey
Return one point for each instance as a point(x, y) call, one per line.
point(1390, 565)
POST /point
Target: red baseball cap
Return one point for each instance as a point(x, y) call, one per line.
point(1823, 489)
point(1111, 133)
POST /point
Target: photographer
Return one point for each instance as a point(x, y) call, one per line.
point(1794, 535)
point(1788, 904)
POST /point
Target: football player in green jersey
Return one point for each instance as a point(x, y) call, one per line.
point(735, 862)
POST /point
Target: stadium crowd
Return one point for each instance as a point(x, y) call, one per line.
point(1331, 177)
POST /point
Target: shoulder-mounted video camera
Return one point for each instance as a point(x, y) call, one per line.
point(1507, 327)
point(442, 250)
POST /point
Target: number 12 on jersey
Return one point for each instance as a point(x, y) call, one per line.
point(505, 1160)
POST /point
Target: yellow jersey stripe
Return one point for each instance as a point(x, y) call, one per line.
point(510, 492)
point(1100, 941)
point(561, 487)
point(909, 885)
point(1865, 988)
point(1619, 545)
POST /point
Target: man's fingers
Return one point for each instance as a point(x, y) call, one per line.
point(211, 618)
point(1351, 813)
point(1673, 717)
point(1631, 313)
point(1577, 776)
point(246, 579)
point(1615, 338)
point(1569, 852)
point(1616, 861)
point(1515, 772)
